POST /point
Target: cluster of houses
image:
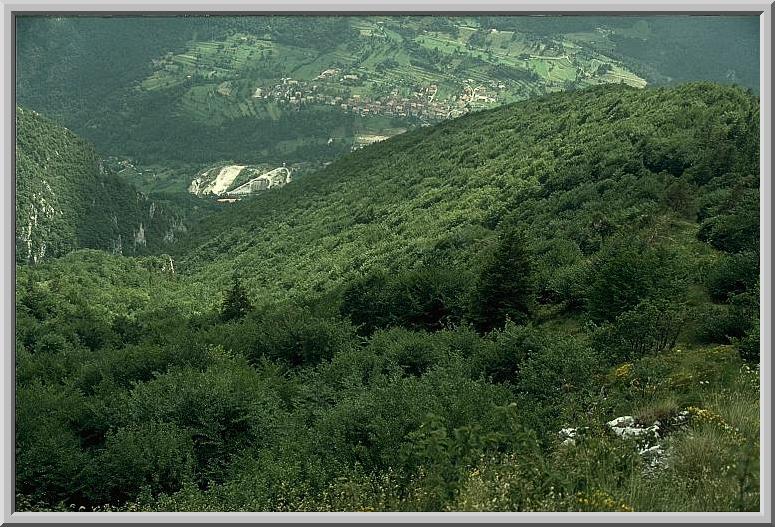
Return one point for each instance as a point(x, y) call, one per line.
point(399, 107)
point(422, 104)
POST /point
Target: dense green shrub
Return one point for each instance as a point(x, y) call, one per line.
point(723, 322)
point(429, 298)
point(369, 427)
point(122, 368)
point(748, 345)
point(414, 352)
point(564, 370)
point(291, 335)
point(735, 229)
point(126, 330)
point(500, 358)
point(567, 284)
point(156, 456)
point(733, 274)
point(626, 271)
point(652, 326)
point(236, 304)
point(49, 454)
point(225, 409)
point(442, 458)
point(680, 197)
point(51, 343)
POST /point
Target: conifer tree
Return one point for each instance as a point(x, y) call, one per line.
point(504, 290)
point(236, 304)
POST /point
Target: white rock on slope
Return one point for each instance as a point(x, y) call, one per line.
point(625, 427)
point(568, 436)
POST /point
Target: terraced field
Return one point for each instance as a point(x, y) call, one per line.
point(383, 57)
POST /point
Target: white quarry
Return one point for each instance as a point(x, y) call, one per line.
point(223, 181)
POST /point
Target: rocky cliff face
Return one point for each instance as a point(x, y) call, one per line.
point(34, 231)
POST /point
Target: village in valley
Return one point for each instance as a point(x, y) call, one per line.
point(420, 104)
point(386, 77)
point(408, 69)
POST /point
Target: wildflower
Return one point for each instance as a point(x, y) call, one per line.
point(707, 416)
point(623, 371)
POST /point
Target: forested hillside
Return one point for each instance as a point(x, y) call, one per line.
point(576, 171)
point(65, 199)
point(547, 306)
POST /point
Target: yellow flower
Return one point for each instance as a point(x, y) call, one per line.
point(623, 371)
point(710, 417)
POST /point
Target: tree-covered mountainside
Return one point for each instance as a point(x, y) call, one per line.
point(547, 306)
point(575, 170)
point(198, 90)
point(65, 199)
